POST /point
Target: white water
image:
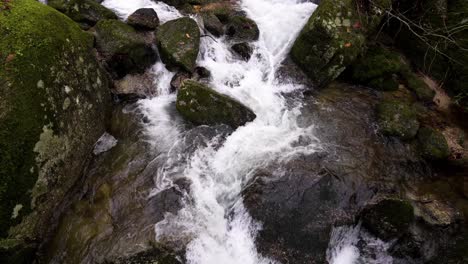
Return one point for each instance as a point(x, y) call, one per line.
point(213, 222)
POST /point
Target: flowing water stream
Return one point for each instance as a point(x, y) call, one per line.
point(213, 221)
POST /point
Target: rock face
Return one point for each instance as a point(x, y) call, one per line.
point(179, 43)
point(334, 36)
point(202, 105)
point(85, 12)
point(53, 99)
point(124, 50)
point(388, 217)
point(144, 18)
point(397, 119)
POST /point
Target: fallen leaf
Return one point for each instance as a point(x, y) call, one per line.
point(357, 25)
point(347, 45)
point(187, 35)
point(10, 57)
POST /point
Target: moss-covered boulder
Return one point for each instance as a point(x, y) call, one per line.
point(432, 144)
point(202, 105)
point(53, 102)
point(388, 218)
point(242, 28)
point(144, 18)
point(179, 42)
point(334, 36)
point(124, 50)
point(397, 119)
point(422, 91)
point(85, 12)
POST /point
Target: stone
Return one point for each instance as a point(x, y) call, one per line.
point(397, 119)
point(212, 24)
point(144, 18)
point(333, 38)
point(202, 105)
point(387, 217)
point(179, 42)
point(124, 50)
point(177, 80)
point(242, 28)
point(432, 144)
point(54, 100)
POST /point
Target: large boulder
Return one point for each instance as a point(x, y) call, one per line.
point(334, 36)
point(124, 50)
point(179, 42)
point(53, 103)
point(85, 12)
point(202, 105)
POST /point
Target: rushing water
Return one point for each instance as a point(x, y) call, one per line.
point(213, 222)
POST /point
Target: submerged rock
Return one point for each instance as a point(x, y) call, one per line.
point(144, 18)
point(85, 12)
point(178, 42)
point(202, 105)
point(54, 102)
point(432, 143)
point(397, 119)
point(244, 50)
point(124, 50)
point(388, 218)
point(334, 36)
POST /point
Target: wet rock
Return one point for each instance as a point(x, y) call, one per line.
point(244, 50)
point(397, 119)
point(123, 49)
point(201, 73)
point(178, 79)
point(212, 24)
point(135, 86)
point(54, 103)
point(178, 43)
point(144, 18)
point(155, 255)
point(85, 12)
point(432, 143)
point(202, 105)
point(388, 218)
point(242, 28)
point(334, 36)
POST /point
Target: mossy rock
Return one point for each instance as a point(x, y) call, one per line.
point(179, 42)
point(124, 50)
point(385, 83)
point(212, 24)
point(377, 62)
point(432, 144)
point(333, 38)
point(388, 218)
point(420, 88)
point(202, 105)
point(242, 28)
point(397, 119)
point(53, 98)
point(85, 12)
point(15, 251)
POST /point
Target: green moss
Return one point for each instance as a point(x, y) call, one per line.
point(242, 28)
point(397, 119)
point(432, 144)
point(387, 83)
point(420, 88)
point(179, 43)
point(83, 11)
point(388, 218)
point(42, 52)
point(203, 106)
point(15, 251)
